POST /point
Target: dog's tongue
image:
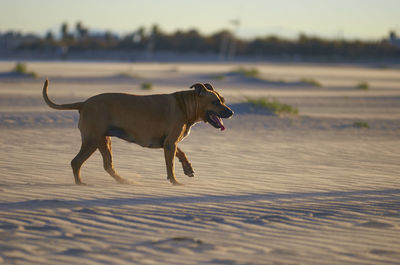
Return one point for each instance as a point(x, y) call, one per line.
point(219, 122)
point(221, 125)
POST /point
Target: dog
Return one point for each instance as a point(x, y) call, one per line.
point(154, 121)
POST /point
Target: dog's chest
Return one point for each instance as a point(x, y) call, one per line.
point(186, 131)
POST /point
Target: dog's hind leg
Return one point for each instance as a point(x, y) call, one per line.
point(104, 145)
point(87, 149)
point(187, 167)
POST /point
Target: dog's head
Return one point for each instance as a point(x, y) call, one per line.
point(212, 106)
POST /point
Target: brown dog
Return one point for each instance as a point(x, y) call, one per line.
point(155, 121)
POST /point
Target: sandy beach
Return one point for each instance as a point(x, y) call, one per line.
point(320, 187)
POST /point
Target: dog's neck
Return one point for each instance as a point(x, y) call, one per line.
point(189, 105)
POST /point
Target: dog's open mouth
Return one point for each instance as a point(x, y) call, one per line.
point(215, 120)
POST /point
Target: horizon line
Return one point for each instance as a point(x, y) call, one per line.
point(340, 35)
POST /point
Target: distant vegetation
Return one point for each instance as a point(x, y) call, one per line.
point(310, 81)
point(272, 105)
point(253, 72)
point(128, 75)
point(146, 86)
point(248, 72)
point(363, 85)
point(218, 77)
point(154, 39)
point(22, 69)
point(361, 124)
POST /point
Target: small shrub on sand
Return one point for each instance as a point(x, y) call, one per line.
point(127, 75)
point(218, 77)
point(361, 124)
point(146, 86)
point(22, 69)
point(248, 72)
point(363, 85)
point(272, 105)
point(310, 81)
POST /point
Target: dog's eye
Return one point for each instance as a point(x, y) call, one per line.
point(216, 103)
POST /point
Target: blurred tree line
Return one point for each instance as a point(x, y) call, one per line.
point(155, 39)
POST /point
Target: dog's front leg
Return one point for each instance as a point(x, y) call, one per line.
point(187, 167)
point(169, 152)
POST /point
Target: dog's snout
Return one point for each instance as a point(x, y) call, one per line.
point(227, 113)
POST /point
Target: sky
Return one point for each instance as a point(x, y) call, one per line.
point(349, 19)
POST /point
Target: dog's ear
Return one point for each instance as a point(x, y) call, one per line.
point(200, 89)
point(209, 86)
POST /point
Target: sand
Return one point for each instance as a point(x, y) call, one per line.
point(307, 189)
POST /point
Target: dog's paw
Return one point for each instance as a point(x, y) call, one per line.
point(188, 170)
point(78, 181)
point(126, 181)
point(174, 182)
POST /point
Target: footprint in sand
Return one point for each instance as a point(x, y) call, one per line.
point(260, 220)
point(375, 224)
point(176, 243)
point(201, 219)
point(383, 252)
point(43, 228)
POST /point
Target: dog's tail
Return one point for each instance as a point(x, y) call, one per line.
point(53, 105)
